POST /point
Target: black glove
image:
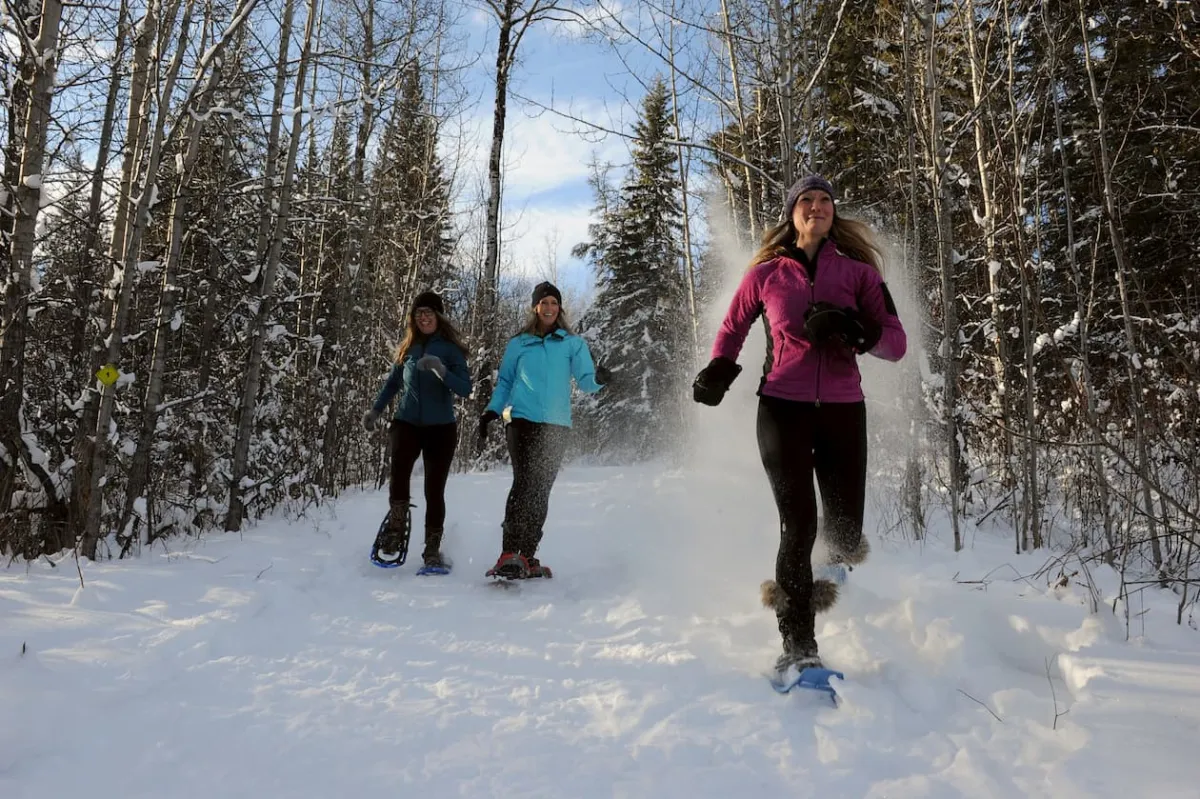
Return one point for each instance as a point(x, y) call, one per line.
point(714, 380)
point(603, 375)
point(825, 322)
point(486, 418)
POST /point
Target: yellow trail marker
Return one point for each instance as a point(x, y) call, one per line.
point(108, 374)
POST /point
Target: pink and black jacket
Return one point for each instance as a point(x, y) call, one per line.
point(782, 290)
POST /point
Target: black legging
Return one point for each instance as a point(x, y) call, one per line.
point(435, 443)
point(796, 440)
point(536, 451)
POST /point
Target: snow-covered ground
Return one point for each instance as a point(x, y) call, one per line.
point(282, 664)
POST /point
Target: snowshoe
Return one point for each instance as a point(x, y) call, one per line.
point(536, 569)
point(798, 669)
point(434, 563)
point(831, 572)
point(510, 566)
point(812, 678)
point(391, 541)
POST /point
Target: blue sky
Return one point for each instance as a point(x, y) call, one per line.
point(547, 200)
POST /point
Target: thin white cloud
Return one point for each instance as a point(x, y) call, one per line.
point(538, 243)
point(586, 18)
point(547, 202)
point(540, 152)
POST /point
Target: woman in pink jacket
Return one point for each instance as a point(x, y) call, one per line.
point(816, 282)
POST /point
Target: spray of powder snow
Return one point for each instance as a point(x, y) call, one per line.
point(733, 535)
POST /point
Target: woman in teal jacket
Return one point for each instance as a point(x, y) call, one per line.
point(533, 394)
point(430, 368)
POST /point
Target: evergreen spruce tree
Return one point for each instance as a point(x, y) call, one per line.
point(415, 245)
point(638, 325)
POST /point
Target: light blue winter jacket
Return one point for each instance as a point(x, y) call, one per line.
point(535, 377)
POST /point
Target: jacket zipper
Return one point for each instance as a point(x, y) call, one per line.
point(546, 376)
point(813, 301)
point(417, 376)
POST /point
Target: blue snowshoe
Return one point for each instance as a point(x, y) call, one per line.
point(390, 549)
point(803, 671)
point(434, 564)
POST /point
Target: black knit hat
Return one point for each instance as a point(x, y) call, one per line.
point(431, 300)
point(806, 183)
point(546, 289)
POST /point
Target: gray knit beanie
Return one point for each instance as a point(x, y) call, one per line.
point(806, 183)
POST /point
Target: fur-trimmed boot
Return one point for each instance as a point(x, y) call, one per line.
point(824, 596)
point(847, 548)
point(797, 657)
point(799, 651)
point(845, 551)
point(852, 557)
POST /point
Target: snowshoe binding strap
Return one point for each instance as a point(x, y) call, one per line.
point(510, 566)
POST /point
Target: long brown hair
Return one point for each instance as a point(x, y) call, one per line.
point(854, 238)
point(445, 328)
point(561, 323)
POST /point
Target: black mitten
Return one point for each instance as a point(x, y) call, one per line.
point(862, 333)
point(714, 380)
point(603, 376)
point(823, 321)
point(485, 419)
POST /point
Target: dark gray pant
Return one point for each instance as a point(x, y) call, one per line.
point(798, 440)
point(536, 451)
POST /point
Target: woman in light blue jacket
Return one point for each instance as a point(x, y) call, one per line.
point(533, 395)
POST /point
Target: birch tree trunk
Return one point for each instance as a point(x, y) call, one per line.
point(168, 298)
point(491, 254)
point(1083, 377)
point(913, 471)
point(38, 70)
point(740, 109)
point(1031, 510)
point(938, 159)
point(207, 335)
point(981, 118)
point(786, 59)
point(1117, 240)
point(266, 294)
point(103, 147)
point(513, 18)
point(270, 190)
point(89, 437)
point(138, 221)
point(689, 268)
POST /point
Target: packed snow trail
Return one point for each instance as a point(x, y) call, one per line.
point(282, 663)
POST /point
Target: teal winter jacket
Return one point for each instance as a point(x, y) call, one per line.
point(535, 377)
point(425, 399)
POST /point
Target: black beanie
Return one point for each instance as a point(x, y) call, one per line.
point(430, 299)
point(546, 289)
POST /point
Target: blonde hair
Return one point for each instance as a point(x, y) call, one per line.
point(854, 238)
point(561, 323)
point(412, 333)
